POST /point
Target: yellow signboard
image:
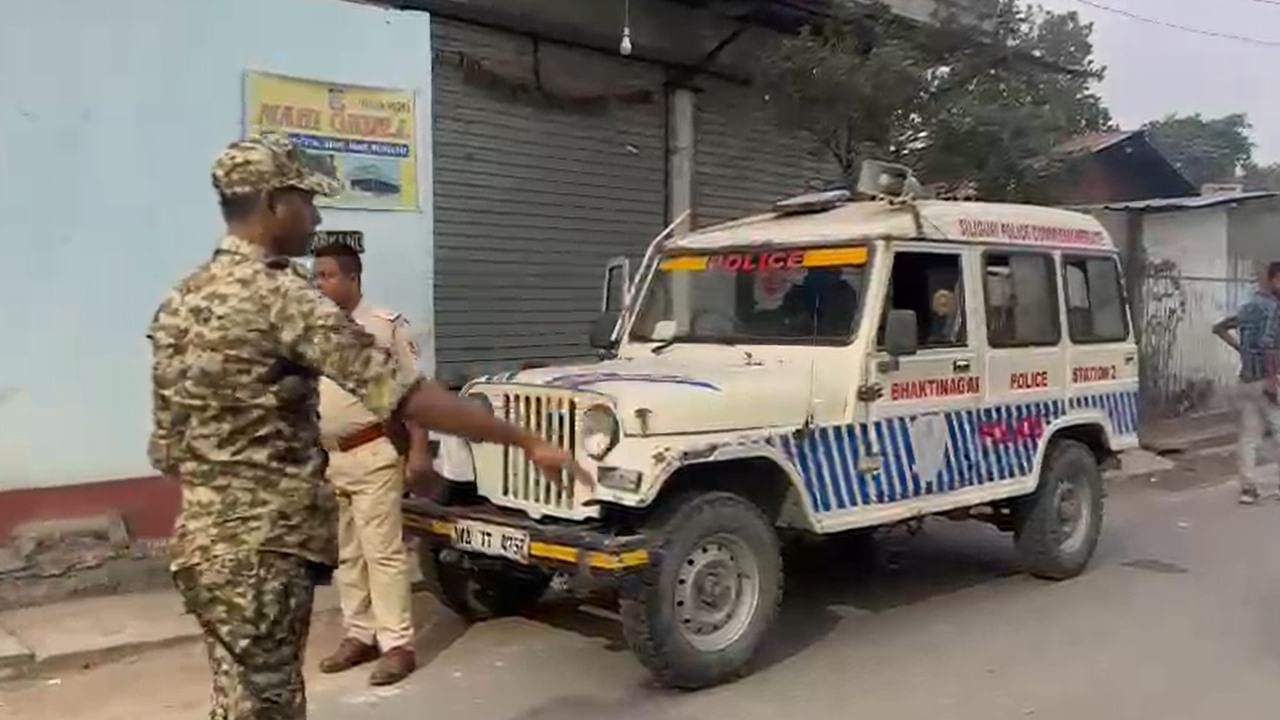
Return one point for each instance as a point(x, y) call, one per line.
point(365, 137)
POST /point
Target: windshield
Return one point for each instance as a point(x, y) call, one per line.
point(754, 296)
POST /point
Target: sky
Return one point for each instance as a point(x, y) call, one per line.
point(1153, 71)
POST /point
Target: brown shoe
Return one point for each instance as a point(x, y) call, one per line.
point(395, 665)
point(349, 654)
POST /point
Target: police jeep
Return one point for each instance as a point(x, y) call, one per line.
point(829, 367)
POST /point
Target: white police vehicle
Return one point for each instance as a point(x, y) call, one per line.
point(829, 367)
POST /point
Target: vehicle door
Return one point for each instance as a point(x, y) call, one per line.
point(1102, 354)
point(1025, 373)
point(918, 425)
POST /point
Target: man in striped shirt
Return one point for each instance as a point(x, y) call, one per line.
point(1257, 339)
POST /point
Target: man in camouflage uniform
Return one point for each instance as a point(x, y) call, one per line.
point(238, 347)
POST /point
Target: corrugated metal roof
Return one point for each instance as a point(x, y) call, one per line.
point(1194, 202)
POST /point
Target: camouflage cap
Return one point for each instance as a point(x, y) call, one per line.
point(268, 162)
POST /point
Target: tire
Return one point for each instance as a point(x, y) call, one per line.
point(1057, 527)
point(479, 594)
point(707, 537)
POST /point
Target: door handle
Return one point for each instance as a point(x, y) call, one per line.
point(1130, 359)
point(961, 366)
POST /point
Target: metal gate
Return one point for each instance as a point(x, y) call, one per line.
point(743, 160)
point(548, 161)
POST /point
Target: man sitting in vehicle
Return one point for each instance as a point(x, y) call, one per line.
point(823, 305)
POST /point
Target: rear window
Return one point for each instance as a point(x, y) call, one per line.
point(1095, 300)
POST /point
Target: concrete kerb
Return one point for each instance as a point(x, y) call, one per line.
point(1191, 432)
point(54, 638)
point(88, 632)
point(16, 659)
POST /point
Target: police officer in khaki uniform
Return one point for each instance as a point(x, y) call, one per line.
point(366, 472)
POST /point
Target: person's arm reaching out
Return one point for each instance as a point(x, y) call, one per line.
point(318, 334)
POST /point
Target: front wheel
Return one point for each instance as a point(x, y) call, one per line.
point(480, 593)
point(1057, 527)
point(696, 616)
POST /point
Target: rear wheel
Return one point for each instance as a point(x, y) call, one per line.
point(1057, 527)
point(696, 617)
point(480, 593)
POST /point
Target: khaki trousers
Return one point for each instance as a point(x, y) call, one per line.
point(373, 567)
point(1258, 416)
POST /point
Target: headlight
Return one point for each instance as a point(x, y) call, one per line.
point(483, 401)
point(599, 431)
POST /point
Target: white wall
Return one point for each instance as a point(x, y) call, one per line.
point(110, 114)
point(1189, 286)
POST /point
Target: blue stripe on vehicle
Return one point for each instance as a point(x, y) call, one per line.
point(955, 435)
point(954, 448)
point(806, 472)
point(829, 458)
point(988, 416)
point(1013, 447)
point(849, 461)
point(815, 461)
point(836, 469)
point(877, 478)
point(913, 475)
point(892, 451)
point(982, 467)
point(888, 464)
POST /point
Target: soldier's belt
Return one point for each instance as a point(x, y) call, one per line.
point(363, 436)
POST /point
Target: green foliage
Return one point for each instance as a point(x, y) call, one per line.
point(963, 106)
point(1205, 149)
point(1262, 177)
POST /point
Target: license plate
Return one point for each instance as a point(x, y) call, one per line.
point(492, 540)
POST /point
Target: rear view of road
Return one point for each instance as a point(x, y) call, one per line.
point(1179, 617)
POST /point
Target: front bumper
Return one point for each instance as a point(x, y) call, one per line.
point(557, 546)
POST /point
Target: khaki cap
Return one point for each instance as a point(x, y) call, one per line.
point(268, 162)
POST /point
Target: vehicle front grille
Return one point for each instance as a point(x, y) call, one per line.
point(552, 417)
point(505, 475)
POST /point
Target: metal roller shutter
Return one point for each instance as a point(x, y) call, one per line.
point(743, 161)
point(531, 199)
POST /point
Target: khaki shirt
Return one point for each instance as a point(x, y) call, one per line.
point(342, 413)
point(237, 348)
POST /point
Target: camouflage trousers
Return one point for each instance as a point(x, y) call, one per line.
point(255, 611)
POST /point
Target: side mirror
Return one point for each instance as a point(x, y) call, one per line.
point(602, 330)
point(617, 274)
point(901, 333)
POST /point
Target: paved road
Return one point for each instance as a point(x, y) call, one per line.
point(1179, 617)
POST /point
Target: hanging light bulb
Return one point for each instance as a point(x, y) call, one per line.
point(625, 46)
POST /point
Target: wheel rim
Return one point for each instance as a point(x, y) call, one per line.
point(717, 592)
point(1074, 507)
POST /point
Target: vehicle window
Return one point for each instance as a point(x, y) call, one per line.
point(1095, 300)
point(751, 296)
point(932, 286)
point(1021, 300)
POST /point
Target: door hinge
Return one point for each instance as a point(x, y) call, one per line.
point(871, 392)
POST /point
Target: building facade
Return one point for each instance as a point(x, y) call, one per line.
point(1190, 262)
point(544, 151)
point(110, 115)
